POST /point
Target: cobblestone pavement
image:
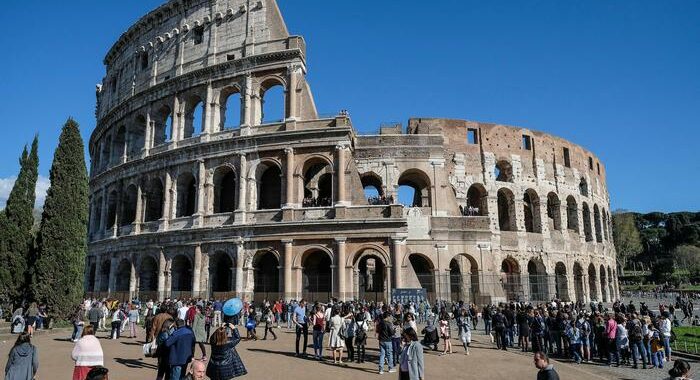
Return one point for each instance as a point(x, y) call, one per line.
point(272, 360)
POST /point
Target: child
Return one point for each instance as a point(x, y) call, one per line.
point(465, 334)
point(657, 350)
point(250, 325)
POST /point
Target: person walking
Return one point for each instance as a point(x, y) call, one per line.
point(78, 324)
point(546, 370)
point(302, 326)
point(465, 330)
point(181, 347)
point(117, 318)
point(199, 330)
point(269, 316)
point(23, 360)
point(337, 336)
point(133, 321)
point(318, 321)
point(665, 332)
point(32, 314)
point(87, 353)
point(225, 363)
point(445, 331)
point(385, 331)
point(411, 362)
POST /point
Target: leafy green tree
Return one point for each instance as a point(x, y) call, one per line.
point(16, 224)
point(62, 238)
point(687, 258)
point(626, 237)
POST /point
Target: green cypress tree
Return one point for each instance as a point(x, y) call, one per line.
point(62, 238)
point(17, 223)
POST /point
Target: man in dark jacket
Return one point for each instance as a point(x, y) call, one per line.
point(94, 315)
point(385, 331)
point(181, 345)
point(546, 370)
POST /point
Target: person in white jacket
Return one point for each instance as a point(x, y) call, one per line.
point(87, 353)
point(665, 331)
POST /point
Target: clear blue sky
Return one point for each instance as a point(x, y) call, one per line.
point(621, 78)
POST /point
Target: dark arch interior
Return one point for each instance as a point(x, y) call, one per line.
point(225, 192)
point(266, 273)
point(181, 274)
point(154, 200)
point(424, 271)
point(270, 192)
point(221, 268)
point(123, 276)
point(148, 275)
point(371, 274)
point(186, 195)
point(317, 272)
point(506, 220)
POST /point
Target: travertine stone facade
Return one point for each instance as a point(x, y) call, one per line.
point(189, 196)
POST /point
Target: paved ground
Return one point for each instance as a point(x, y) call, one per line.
point(273, 360)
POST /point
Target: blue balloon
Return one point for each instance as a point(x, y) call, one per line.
point(232, 307)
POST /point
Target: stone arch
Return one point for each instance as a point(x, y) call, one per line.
point(317, 276)
point(503, 171)
point(148, 274)
point(419, 182)
point(230, 108)
point(137, 137)
point(604, 284)
point(583, 187)
point(578, 282)
point(129, 205)
point(571, 214)
point(372, 186)
point(181, 274)
point(225, 189)
point(424, 271)
point(186, 194)
point(265, 265)
point(553, 212)
point(91, 274)
point(272, 87)
point(268, 176)
point(194, 115)
point(368, 249)
point(561, 282)
point(112, 204)
point(510, 279)
point(477, 201)
point(154, 199)
point(162, 125)
point(317, 175)
point(587, 222)
point(592, 276)
point(464, 278)
point(123, 274)
point(104, 275)
point(370, 268)
point(221, 272)
point(537, 278)
point(506, 210)
point(596, 223)
point(119, 145)
point(106, 158)
point(531, 211)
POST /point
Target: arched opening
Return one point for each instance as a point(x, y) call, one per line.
point(186, 195)
point(162, 125)
point(104, 276)
point(592, 288)
point(181, 275)
point(266, 276)
point(464, 279)
point(92, 274)
point(148, 275)
point(119, 145)
point(270, 188)
point(373, 189)
point(194, 120)
point(318, 184)
point(578, 282)
point(231, 109)
point(561, 282)
point(531, 211)
point(537, 276)
point(137, 137)
point(553, 213)
point(604, 285)
point(272, 103)
point(583, 187)
point(221, 273)
point(510, 279)
point(596, 223)
point(129, 206)
point(477, 201)
point(224, 190)
point(317, 278)
point(154, 200)
point(587, 222)
point(506, 210)
point(414, 189)
point(98, 214)
point(571, 214)
point(106, 152)
point(425, 273)
point(371, 277)
point(112, 209)
point(123, 276)
point(503, 171)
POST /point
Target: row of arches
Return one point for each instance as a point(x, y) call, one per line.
point(503, 172)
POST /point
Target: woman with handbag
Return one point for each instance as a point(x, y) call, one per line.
point(337, 337)
point(225, 363)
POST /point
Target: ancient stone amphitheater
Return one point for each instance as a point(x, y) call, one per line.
point(194, 191)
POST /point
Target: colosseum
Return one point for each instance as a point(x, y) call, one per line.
point(194, 191)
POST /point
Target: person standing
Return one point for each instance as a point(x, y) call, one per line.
point(269, 317)
point(318, 321)
point(225, 363)
point(361, 336)
point(350, 328)
point(411, 362)
point(78, 324)
point(133, 321)
point(302, 325)
point(546, 370)
point(87, 353)
point(217, 307)
point(665, 332)
point(181, 347)
point(32, 314)
point(336, 339)
point(23, 360)
point(385, 331)
point(117, 318)
point(199, 330)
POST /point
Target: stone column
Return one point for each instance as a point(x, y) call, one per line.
point(292, 91)
point(208, 114)
point(197, 270)
point(133, 288)
point(201, 180)
point(161, 275)
point(112, 274)
point(387, 276)
point(289, 177)
point(340, 149)
point(98, 275)
point(177, 120)
point(341, 241)
point(288, 253)
point(239, 215)
point(167, 196)
point(399, 249)
point(147, 134)
point(247, 111)
point(138, 220)
point(239, 268)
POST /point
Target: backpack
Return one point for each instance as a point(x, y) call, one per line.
point(636, 332)
point(343, 331)
point(585, 328)
point(360, 334)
